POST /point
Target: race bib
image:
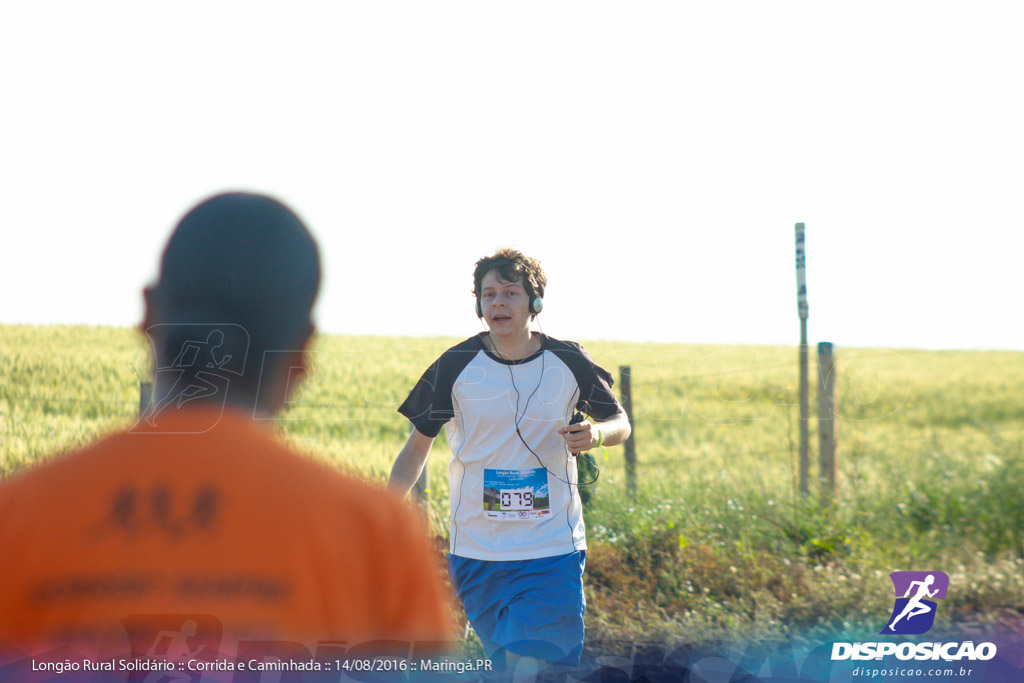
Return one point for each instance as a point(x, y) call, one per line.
point(516, 494)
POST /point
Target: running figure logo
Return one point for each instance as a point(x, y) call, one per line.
point(916, 593)
point(201, 358)
point(207, 358)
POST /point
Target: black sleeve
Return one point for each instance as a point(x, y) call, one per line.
point(596, 397)
point(429, 404)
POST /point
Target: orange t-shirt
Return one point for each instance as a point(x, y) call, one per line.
point(206, 527)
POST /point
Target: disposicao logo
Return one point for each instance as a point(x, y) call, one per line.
point(913, 613)
point(917, 594)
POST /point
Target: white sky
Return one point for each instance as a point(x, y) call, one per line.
point(654, 156)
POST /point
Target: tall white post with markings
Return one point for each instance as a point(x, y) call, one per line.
point(801, 301)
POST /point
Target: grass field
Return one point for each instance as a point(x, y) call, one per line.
point(717, 546)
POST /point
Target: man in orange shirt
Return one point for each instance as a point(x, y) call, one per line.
point(196, 526)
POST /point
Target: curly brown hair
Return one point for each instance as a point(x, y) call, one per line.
point(513, 266)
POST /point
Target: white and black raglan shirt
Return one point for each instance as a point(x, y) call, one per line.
point(508, 503)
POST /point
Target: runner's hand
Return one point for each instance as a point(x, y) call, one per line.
point(579, 437)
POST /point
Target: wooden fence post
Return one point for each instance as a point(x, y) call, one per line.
point(805, 458)
point(826, 421)
point(627, 405)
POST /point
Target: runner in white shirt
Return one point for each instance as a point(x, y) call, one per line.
point(507, 395)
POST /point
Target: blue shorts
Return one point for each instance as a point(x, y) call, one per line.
point(533, 608)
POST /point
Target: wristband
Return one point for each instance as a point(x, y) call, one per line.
point(600, 443)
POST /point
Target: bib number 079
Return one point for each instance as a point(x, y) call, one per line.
point(517, 500)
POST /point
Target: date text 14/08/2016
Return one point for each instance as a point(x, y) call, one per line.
point(382, 664)
point(459, 667)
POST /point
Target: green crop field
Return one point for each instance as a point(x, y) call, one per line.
point(717, 546)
